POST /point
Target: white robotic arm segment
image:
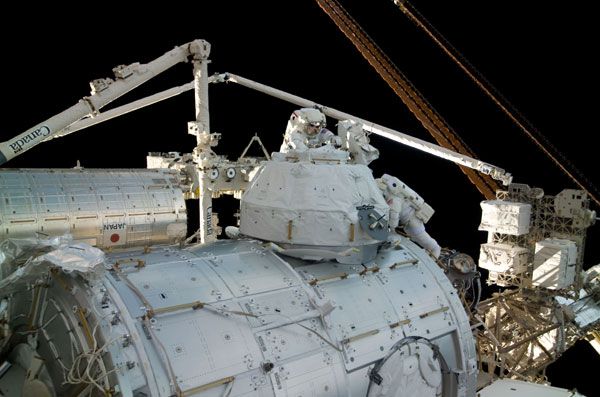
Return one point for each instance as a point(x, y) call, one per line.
point(495, 172)
point(103, 92)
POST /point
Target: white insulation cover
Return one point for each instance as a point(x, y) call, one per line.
point(24, 260)
point(517, 388)
point(101, 207)
point(499, 216)
point(554, 263)
point(499, 257)
point(310, 204)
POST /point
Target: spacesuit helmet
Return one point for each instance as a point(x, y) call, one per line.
point(310, 120)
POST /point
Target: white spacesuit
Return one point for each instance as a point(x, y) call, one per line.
point(356, 141)
point(409, 210)
point(306, 129)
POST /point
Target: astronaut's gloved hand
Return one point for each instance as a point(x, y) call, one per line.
point(336, 141)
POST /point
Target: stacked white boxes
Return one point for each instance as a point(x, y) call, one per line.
point(506, 218)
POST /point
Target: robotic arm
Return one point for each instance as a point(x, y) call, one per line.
point(104, 91)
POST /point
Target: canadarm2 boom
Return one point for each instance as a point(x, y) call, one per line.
point(104, 91)
point(405, 139)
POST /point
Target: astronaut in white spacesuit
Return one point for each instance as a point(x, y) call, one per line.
point(355, 140)
point(306, 129)
point(408, 210)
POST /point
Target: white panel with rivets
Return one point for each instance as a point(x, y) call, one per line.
point(292, 340)
point(251, 272)
point(179, 283)
point(265, 327)
point(203, 347)
point(276, 306)
point(318, 375)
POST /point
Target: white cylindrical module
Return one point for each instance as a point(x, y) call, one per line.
point(320, 208)
point(102, 207)
point(311, 204)
point(234, 319)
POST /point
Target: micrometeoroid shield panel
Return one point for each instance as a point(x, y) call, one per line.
point(105, 208)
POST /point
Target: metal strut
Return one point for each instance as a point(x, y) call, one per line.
point(561, 161)
point(416, 103)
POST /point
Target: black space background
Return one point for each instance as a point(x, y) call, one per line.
point(541, 55)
